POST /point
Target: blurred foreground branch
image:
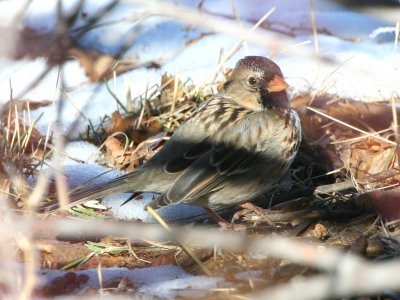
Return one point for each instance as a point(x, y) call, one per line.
point(274, 42)
point(347, 274)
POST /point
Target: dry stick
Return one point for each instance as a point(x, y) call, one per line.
point(237, 17)
point(316, 46)
point(384, 227)
point(30, 257)
point(128, 92)
point(354, 139)
point(314, 27)
point(196, 18)
point(351, 127)
point(186, 249)
point(30, 128)
point(61, 182)
point(34, 83)
point(100, 277)
point(344, 280)
point(133, 253)
point(143, 106)
point(327, 259)
point(16, 118)
point(43, 180)
point(393, 100)
point(235, 48)
point(323, 83)
point(174, 95)
point(294, 46)
point(7, 137)
point(48, 135)
point(41, 187)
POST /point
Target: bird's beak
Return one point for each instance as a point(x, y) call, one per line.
point(277, 84)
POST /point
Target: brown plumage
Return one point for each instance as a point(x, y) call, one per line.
point(233, 148)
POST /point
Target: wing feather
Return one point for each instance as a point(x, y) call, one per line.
point(228, 156)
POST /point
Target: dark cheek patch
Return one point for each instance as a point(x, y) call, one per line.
point(227, 84)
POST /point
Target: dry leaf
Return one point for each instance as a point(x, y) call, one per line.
point(367, 157)
point(385, 202)
point(119, 123)
point(128, 125)
point(363, 115)
point(167, 94)
point(99, 66)
point(118, 155)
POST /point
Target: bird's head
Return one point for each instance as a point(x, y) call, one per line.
point(257, 84)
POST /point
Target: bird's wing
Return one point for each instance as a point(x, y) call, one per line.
point(229, 155)
point(185, 146)
point(198, 134)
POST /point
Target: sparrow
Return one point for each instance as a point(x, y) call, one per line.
point(232, 149)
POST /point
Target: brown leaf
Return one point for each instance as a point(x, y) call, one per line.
point(148, 128)
point(118, 155)
point(367, 157)
point(359, 246)
point(385, 202)
point(21, 105)
point(119, 123)
point(128, 125)
point(167, 258)
point(56, 254)
point(361, 157)
point(363, 115)
point(375, 248)
point(99, 66)
point(167, 94)
point(186, 262)
point(66, 284)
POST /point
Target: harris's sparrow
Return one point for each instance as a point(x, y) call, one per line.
point(233, 148)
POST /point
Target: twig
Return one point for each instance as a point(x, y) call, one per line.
point(393, 99)
point(218, 24)
point(351, 126)
point(184, 248)
point(314, 28)
point(235, 48)
point(174, 95)
point(61, 182)
point(349, 274)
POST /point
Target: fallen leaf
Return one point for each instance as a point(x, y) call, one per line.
point(118, 155)
point(100, 66)
point(385, 202)
point(128, 125)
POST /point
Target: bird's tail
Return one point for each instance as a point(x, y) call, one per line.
point(126, 183)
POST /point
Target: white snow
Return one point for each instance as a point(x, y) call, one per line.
point(165, 281)
point(80, 151)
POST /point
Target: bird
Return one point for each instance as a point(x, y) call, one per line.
point(232, 149)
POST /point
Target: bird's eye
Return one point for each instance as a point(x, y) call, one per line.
point(251, 80)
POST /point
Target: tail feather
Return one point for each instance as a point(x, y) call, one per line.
point(126, 183)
